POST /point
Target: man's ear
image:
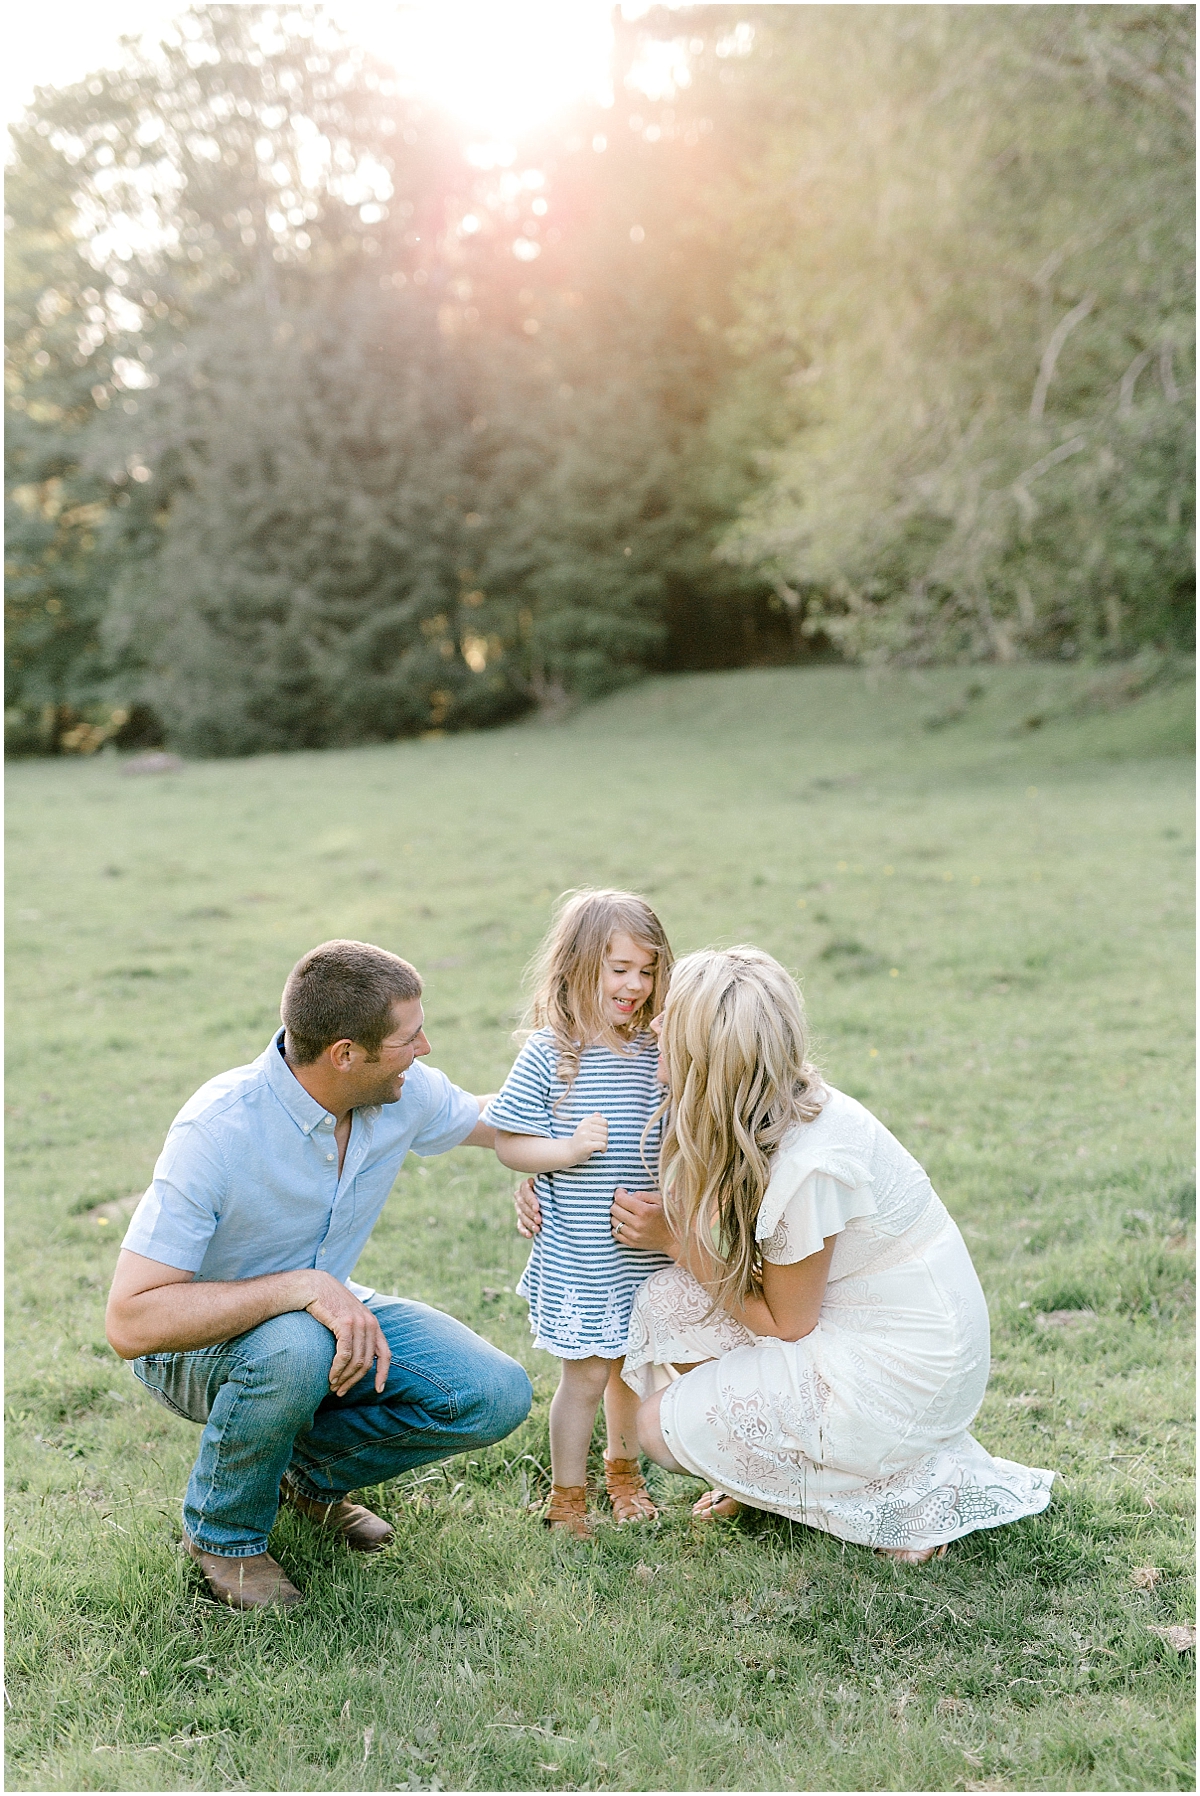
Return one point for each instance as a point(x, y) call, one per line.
point(341, 1055)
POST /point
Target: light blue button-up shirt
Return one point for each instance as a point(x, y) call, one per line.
point(247, 1181)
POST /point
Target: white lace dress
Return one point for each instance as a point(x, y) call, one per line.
point(861, 1427)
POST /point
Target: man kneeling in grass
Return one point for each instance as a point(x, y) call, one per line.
point(232, 1294)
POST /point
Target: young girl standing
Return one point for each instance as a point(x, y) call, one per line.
point(574, 1112)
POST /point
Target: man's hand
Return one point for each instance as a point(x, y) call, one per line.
point(638, 1220)
point(529, 1211)
point(591, 1137)
point(360, 1340)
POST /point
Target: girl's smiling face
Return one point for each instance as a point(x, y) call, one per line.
point(626, 979)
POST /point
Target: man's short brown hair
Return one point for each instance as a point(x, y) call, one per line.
point(343, 991)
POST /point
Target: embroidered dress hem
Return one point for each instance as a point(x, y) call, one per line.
point(576, 1352)
point(859, 1428)
point(572, 1327)
point(944, 1496)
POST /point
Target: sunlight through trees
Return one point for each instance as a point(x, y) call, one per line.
point(841, 330)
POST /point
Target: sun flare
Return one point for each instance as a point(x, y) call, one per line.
point(497, 69)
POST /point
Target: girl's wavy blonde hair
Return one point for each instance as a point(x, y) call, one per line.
point(568, 997)
point(734, 1045)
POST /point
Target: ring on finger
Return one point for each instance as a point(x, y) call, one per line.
point(618, 1227)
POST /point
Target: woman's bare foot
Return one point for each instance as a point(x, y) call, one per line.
point(715, 1503)
point(911, 1555)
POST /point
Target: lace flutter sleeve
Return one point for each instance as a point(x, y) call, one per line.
point(810, 1198)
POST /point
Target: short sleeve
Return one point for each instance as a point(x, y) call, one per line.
point(450, 1114)
point(524, 1103)
point(820, 1208)
point(814, 1191)
point(176, 1218)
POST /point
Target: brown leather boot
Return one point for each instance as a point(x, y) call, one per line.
point(255, 1582)
point(631, 1501)
point(566, 1511)
point(349, 1522)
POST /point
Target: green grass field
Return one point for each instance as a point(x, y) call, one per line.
point(985, 883)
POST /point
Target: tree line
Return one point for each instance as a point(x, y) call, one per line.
point(868, 333)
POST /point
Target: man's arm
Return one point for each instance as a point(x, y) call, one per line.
point(483, 1134)
point(155, 1308)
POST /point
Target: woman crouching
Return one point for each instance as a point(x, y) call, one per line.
point(820, 1347)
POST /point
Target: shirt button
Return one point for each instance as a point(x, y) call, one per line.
point(329, 1122)
point(329, 1156)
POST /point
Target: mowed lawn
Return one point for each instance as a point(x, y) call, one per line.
point(984, 880)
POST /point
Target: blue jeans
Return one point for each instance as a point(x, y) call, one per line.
point(267, 1409)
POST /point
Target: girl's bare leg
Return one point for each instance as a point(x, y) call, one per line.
point(623, 1480)
point(573, 1416)
point(620, 1415)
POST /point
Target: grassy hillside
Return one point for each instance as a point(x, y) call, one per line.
point(984, 881)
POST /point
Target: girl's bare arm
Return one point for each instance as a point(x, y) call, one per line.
point(534, 1153)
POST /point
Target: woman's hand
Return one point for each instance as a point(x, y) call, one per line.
point(529, 1211)
point(637, 1219)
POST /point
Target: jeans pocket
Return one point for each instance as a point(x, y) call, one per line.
point(185, 1383)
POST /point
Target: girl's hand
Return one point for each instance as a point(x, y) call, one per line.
point(591, 1137)
point(637, 1220)
point(529, 1211)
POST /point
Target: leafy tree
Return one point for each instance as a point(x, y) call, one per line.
point(244, 154)
point(362, 472)
point(872, 329)
point(56, 573)
point(977, 224)
point(375, 529)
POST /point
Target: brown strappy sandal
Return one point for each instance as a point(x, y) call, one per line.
point(567, 1510)
point(631, 1501)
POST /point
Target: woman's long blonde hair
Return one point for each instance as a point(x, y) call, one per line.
point(568, 998)
point(734, 1044)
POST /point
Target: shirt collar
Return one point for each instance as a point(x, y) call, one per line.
point(303, 1109)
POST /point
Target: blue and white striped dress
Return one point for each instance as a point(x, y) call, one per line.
point(580, 1283)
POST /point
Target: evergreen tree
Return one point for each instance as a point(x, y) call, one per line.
point(247, 154)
